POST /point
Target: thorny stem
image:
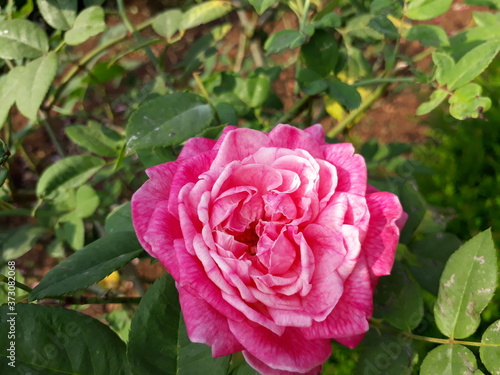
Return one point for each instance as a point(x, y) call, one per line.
point(378, 325)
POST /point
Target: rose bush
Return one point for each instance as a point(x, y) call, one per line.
point(276, 243)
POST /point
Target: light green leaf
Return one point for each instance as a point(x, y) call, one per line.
point(88, 23)
point(158, 339)
point(21, 39)
point(486, 19)
point(466, 102)
point(34, 81)
point(321, 62)
point(449, 360)
point(74, 230)
point(60, 14)
point(467, 285)
point(473, 63)
point(204, 13)
point(8, 86)
point(53, 340)
point(428, 35)
point(331, 19)
point(19, 242)
point(256, 89)
point(67, 173)
point(345, 94)
point(119, 220)
point(87, 201)
point(167, 23)
point(96, 138)
point(444, 67)
point(262, 5)
point(422, 10)
point(491, 354)
point(437, 97)
point(88, 265)
point(283, 40)
point(168, 120)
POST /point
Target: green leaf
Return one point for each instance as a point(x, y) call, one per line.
point(119, 220)
point(168, 120)
point(20, 241)
point(89, 23)
point(256, 89)
point(444, 67)
point(486, 19)
point(21, 39)
point(466, 102)
point(311, 82)
point(119, 321)
point(151, 156)
point(431, 253)
point(87, 201)
point(158, 341)
point(73, 230)
point(33, 84)
point(8, 86)
point(490, 354)
point(383, 353)
point(226, 113)
point(60, 14)
point(492, 4)
point(328, 20)
point(386, 7)
point(467, 285)
point(204, 13)
point(399, 299)
point(345, 94)
point(449, 360)
point(383, 25)
point(96, 138)
point(4, 173)
point(428, 35)
point(437, 97)
point(414, 205)
point(283, 40)
point(67, 173)
point(167, 23)
point(262, 5)
point(54, 340)
point(422, 10)
point(88, 265)
point(321, 53)
point(472, 64)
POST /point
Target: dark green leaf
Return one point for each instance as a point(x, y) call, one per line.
point(204, 13)
point(96, 138)
point(399, 299)
point(167, 23)
point(427, 9)
point(158, 338)
point(89, 23)
point(283, 40)
point(437, 97)
point(311, 82)
point(262, 5)
point(386, 7)
point(415, 206)
point(88, 265)
point(226, 113)
point(467, 285)
point(20, 241)
point(60, 14)
point(33, 83)
point(428, 35)
point(345, 94)
point(4, 173)
point(383, 25)
point(321, 53)
point(22, 39)
point(467, 102)
point(67, 173)
point(53, 340)
point(168, 120)
point(491, 354)
point(119, 220)
point(328, 20)
point(492, 4)
point(149, 157)
point(449, 360)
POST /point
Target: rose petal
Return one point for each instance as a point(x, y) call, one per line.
point(292, 138)
point(196, 146)
point(264, 369)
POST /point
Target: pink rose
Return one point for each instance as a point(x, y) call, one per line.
point(275, 240)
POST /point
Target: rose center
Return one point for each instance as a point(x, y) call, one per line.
point(249, 237)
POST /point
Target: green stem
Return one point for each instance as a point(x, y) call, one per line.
point(19, 285)
point(45, 122)
point(305, 12)
point(375, 81)
point(86, 59)
point(296, 109)
point(378, 325)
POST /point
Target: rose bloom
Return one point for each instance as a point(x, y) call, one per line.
point(275, 241)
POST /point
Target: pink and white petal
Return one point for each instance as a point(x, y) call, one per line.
point(264, 369)
point(196, 146)
point(238, 144)
point(288, 352)
point(149, 195)
point(382, 237)
point(350, 315)
point(162, 231)
point(317, 132)
point(351, 168)
point(206, 325)
point(292, 138)
point(351, 341)
point(224, 134)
